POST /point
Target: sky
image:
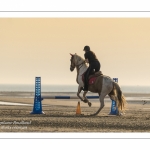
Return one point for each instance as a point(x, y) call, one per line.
point(31, 47)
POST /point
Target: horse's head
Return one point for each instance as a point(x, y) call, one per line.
point(76, 61)
point(72, 65)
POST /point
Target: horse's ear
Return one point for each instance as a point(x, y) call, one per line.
point(71, 54)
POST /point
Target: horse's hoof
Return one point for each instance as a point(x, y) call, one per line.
point(121, 114)
point(90, 104)
point(85, 101)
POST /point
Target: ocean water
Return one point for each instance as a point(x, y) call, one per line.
point(65, 88)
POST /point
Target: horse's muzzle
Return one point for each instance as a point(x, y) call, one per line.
point(71, 68)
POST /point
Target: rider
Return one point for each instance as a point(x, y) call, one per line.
point(94, 65)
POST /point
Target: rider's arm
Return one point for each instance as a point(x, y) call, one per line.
point(86, 60)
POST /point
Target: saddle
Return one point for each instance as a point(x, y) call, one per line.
point(93, 77)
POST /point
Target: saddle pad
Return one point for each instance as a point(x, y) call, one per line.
point(91, 80)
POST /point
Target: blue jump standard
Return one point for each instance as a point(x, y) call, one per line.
point(37, 108)
point(114, 110)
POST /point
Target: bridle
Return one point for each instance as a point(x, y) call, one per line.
point(78, 65)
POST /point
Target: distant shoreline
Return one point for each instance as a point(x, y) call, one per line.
point(67, 88)
point(25, 93)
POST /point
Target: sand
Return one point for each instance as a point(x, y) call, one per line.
point(60, 116)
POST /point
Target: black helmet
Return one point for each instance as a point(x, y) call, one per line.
point(86, 48)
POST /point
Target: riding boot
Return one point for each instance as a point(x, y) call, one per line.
point(85, 82)
point(85, 87)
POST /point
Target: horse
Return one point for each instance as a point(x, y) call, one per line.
point(103, 85)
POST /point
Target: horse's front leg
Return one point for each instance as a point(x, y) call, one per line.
point(79, 91)
point(85, 99)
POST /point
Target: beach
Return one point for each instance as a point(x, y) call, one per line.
point(60, 114)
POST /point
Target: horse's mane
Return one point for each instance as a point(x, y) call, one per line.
point(79, 57)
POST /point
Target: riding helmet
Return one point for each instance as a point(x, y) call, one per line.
point(86, 48)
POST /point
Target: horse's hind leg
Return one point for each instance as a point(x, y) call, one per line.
point(112, 95)
point(101, 98)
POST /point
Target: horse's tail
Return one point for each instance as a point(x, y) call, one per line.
point(121, 101)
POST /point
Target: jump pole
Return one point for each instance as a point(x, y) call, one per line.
point(37, 107)
point(66, 97)
point(114, 109)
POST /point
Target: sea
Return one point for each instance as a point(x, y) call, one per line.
point(65, 88)
point(138, 94)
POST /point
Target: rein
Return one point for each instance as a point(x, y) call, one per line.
point(80, 64)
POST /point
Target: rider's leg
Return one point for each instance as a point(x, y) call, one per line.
point(86, 76)
point(88, 72)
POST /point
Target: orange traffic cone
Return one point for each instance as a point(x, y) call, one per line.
point(78, 110)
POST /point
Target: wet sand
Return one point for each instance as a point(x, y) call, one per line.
point(60, 116)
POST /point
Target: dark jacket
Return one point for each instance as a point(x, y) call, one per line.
point(90, 56)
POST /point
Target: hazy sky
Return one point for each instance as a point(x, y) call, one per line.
point(31, 47)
